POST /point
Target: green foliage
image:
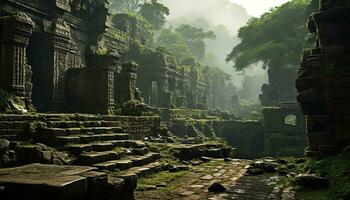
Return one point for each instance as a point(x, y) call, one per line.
point(277, 38)
point(335, 168)
point(176, 44)
point(151, 10)
point(195, 39)
point(193, 33)
point(160, 178)
point(155, 13)
point(10, 103)
point(185, 42)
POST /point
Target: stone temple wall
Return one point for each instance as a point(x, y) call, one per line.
point(61, 55)
point(19, 127)
point(246, 136)
point(284, 129)
point(324, 80)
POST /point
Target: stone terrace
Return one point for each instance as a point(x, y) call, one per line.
point(101, 143)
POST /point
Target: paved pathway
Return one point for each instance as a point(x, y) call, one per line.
point(194, 185)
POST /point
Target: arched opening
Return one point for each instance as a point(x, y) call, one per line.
point(290, 120)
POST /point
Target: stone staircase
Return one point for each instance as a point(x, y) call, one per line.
point(98, 142)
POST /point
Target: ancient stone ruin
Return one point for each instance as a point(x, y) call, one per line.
point(323, 81)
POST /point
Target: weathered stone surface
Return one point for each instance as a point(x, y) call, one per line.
point(323, 82)
point(58, 182)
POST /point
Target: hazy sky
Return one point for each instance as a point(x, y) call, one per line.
point(258, 7)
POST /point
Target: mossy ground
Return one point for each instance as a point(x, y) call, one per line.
point(336, 168)
point(169, 178)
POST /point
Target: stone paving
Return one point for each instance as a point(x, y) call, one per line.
point(194, 185)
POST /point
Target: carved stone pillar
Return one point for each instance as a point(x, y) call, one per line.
point(64, 57)
point(14, 38)
point(126, 82)
point(100, 83)
point(324, 80)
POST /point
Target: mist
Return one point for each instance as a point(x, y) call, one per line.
point(223, 17)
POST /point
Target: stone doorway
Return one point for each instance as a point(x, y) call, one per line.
point(37, 55)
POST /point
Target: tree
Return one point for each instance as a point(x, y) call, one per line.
point(155, 13)
point(277, 38)
point(195, 39)
point(175, 42)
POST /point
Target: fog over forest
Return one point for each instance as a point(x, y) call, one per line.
point(224, 18)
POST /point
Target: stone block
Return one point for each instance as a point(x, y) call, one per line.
point(317, 108)
point(315, 94)
point(316, 123)
point(28, 154)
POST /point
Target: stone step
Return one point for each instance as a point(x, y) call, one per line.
point(10, 131)
point(92, 124)
point(64, 140)
point(9, 137)
point(114, 136)
point(143, 160)
point(102, 129)
point(139, 172)
point(127, 162)
point(17, 117)
point(118, 188)
point(128, 143)
point(92, 138)
point(65, 124)
point(89, 138)
point(114, 165)
point(72, 131)
point(51, 132)
point(111, 123)
point(93, 157)
point(77, 149)
point(97, 130)
point(140, 151)
point(55, 182)
point(102, 146)
point(13, 124)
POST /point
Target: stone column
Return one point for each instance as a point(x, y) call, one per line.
point(64, 57)
point(14, 38)
point(163, 88)
point(99, 82)
point(324, 80)
point(126, 83)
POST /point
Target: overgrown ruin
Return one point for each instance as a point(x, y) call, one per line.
point(92, 107)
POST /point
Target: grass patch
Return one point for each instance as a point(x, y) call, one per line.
point(166, 155)
point(336, 168)
point(163, 177)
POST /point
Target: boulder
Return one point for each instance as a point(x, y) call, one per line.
point(4, 145)
point(311, 181)
point(254, 171)
point(217, 187)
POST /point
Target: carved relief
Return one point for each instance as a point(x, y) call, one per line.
point(16, 30)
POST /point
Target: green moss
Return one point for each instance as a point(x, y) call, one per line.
point(10, 102)
point(163, 177)
point(166, 153)
point(335, 168)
